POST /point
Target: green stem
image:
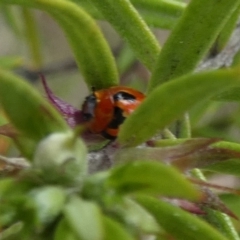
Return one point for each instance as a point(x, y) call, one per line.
point(185, 127)
point(168, 134)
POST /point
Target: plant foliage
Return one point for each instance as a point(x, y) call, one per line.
point(152, 185)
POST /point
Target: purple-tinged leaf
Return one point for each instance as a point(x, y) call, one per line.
point(72, 115)
point(212, 201)
point(8, 130)
point(214, 186)
point(206, 157)
point(182, 155)
point(186, 205)
point(209, 201)
point(193, 153)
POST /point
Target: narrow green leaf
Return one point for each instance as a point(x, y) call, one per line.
point(227, 161)
point(231, 95)
point(163, 14)
point(158, 20)
point(232, 201)
point(129, 24)
point(171, 7)
point(236, 59)
point(91, 50)
point(12, 232)
point(11, 18)
point(191, 38)
point(90, 8)
point(231, 167)
point(138, 217)
point(171, 100)
point(10, 62)
point(231, 146)
point(26, 109)
point(179, 223)
point(113, 230)
point(85, 219)
point(25, 145)
point(152, 177)
point(226, 32)
point(31, 34)
point(125, 59)
point(222, 223)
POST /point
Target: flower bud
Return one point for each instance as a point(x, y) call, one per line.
point(61, 158)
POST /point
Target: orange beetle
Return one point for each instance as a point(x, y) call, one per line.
point(106, 109)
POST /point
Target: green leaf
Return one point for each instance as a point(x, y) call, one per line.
point(126, 59)
point(160, 13)
point(11, 19)
point(191, 38)
point(226, 32)
point(113, 230)
point(89, 7)
point(64, 232)
point(27, 110)
point(221, 222)
point(49, 202)
point(91, 50)
point(231, 167)
point(236, 59)
point(171, 100)
point(225, 158)
point(85, 219)
point(12, 232)
point(138, 217)
point(233, 94)
point(232, 201)
point(9, 62)
point(178, 223)
point(151, 177)
point(32, 36)
point(121, 14)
